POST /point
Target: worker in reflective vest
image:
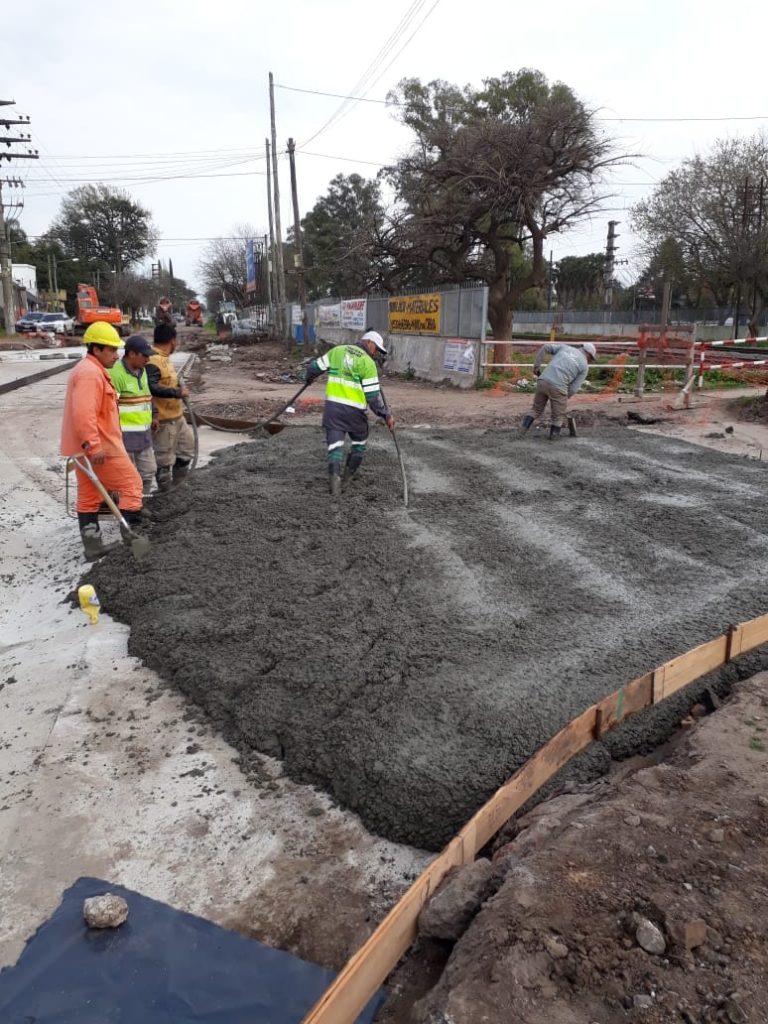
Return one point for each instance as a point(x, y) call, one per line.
point(174, 441)
point(138, 417)
point(353, 387)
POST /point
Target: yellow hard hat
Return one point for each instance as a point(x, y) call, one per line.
point(102, 333)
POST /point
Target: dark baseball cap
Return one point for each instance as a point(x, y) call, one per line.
point(138, 343)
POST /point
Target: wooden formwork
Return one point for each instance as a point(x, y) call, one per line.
point(373, 962)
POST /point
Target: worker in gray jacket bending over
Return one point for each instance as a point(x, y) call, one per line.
point(559, 381)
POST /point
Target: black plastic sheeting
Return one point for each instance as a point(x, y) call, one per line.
point(161, 967)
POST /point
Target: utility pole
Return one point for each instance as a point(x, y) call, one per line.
point(299, 257)
point(276, 193)
point(610, 266)
point(758, 247)
point(6, 261)
point(666, 295)
point(5, 273)
point(11, 153)
point(264, 269)
point(744, 221)
point(549, 283)
point(275, 311)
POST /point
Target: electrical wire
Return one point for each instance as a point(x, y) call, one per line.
point(403, 47)
point(372, 68)
point(673, 120)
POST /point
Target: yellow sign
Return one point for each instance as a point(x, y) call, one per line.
point(415, 314)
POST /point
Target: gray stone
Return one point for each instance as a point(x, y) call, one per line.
point(451, 909)
point(650, 937)
point(105, 911)
point(642, 1002)
point(717, 835)
point(633, 820)
point(555, 947)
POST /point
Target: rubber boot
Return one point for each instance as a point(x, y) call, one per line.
point(526, 424)
point(164, 477)
point(135, 521)
point(554, 432)
point(90, 534)
point(334, 479)
point(180, 471)
point(354, 460)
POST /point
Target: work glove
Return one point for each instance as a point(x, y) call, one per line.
point(537, 371)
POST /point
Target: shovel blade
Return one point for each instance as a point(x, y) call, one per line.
point(140, 547)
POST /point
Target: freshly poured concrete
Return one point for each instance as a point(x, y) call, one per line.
point(408, 661)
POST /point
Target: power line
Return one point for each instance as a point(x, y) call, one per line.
point(180, 152)
point(737, 117)
point(335, 95)
point(394, 103)
point(346, 159)
point(153, 180)
point(383, 53)
point(403, 47)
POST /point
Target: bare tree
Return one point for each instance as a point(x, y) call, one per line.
point(713, 208)
point(222, 265)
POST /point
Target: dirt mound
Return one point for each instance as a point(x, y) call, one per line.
point(750, 410)
point(648, 903)
point(409, 661)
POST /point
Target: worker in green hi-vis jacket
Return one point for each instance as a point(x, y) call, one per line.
point(353, 385)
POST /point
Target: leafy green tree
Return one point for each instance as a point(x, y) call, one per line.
point(493, 172)
point(104, 225)
point(340, 235)
point(580, 281)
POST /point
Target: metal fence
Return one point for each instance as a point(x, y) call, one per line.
point(719, 315)
point(462, 310)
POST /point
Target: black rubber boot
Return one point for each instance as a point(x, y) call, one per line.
point(526, 424)
point(334, 479)
point(180, 471)
point(164, 477)
point(354, 461)
point(90, 534)
point(135, 520)
point(554, 432)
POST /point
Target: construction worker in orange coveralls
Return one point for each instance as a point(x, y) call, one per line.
point(91, 426)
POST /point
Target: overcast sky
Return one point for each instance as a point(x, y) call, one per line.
point(175, 88)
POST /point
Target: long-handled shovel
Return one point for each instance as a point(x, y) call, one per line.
point(268, 427)
point(399, 454)
point(140, 546)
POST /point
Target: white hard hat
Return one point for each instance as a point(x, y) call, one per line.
point(377, 340)
point(590, 349)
